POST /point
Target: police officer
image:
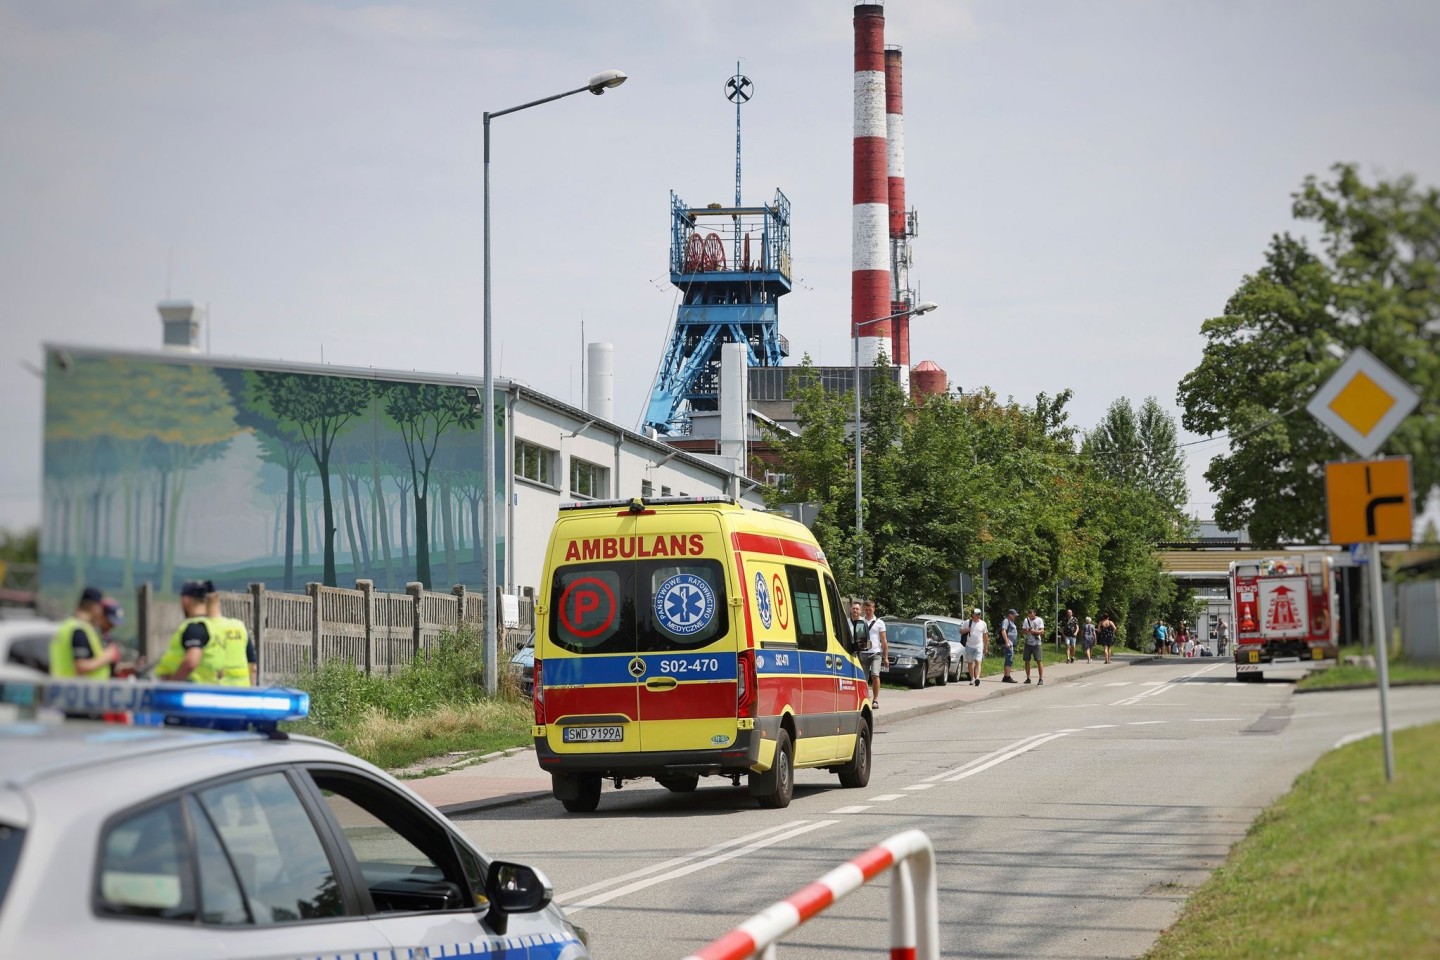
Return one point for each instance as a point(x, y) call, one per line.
point(78, 649)
point(191, 654)
point(237, 666)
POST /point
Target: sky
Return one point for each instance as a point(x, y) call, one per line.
point(1092, 180)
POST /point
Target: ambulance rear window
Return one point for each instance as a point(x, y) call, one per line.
point(638, 606)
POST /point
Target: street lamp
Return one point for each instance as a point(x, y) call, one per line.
point(597, 85)
point(918, 310)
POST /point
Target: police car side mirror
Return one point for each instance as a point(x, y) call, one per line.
point(514, 888)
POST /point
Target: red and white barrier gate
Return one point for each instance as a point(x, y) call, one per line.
point(914, 904)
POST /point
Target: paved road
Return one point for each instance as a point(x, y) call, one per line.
point(1070, 820)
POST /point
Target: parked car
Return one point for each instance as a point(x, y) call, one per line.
point(25, 645)
point(522, 666)
point(950, 628)
point(918, 654)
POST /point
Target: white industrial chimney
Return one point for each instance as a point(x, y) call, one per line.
point(600, 380)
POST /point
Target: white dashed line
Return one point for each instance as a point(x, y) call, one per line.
point(885, 798)
point(1143, 723)
point(920, 786)
point(858, 808)
point(1122, 683)
point(1100, 726)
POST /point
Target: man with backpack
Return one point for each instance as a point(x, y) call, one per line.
point(1034, 629)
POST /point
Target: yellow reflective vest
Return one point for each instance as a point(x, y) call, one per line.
point(62, 655)
point(235, 666)
point(212, 655)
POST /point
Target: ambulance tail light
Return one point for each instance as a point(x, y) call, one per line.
point(538, 694)
point(745, 684)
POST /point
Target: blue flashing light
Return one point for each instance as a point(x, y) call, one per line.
point(185, 701)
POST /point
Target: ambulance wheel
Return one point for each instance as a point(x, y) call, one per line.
point(856, 773)
point(587, 797)
point(775, 787)
point(681, 783)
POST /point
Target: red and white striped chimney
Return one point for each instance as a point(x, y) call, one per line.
point(870, 259)
point(895, 160)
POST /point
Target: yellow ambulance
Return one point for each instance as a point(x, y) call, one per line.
point(685, 637)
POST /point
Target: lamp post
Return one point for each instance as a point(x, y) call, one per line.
point(918, 310)
point(597, 85)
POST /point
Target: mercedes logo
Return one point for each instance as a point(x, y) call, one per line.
point(637, 668)
point(738, 88)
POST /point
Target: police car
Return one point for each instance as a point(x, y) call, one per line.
point(174, 842)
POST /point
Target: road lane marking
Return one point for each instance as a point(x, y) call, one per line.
point(1122, 683)
point(1100, 726)
point(886, 797)
point(1143, 723)
point(1003, 757)
point(1215, 719)
point(693, 867)
point(920, 786)
point(677, 861)
point(982, 759)
point(857, 808)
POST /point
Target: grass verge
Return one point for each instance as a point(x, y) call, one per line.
point(1346, 675)
point(1344, 865)
point(435, 705)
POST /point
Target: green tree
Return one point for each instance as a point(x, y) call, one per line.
point(423, 412)
point(1371, 280)
point(319, 408)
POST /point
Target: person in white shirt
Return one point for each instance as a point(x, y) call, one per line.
point(1189, 646)
point(975, 645)
point(1034, 630)
point(878, 650)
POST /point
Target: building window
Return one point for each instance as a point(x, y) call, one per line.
point(647, 489)
point(534, 463)
point(664, 491)
point(588, 481)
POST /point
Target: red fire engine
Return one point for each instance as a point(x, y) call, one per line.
point(1283, 612)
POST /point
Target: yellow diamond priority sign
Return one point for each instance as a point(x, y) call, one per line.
point(1363, 402)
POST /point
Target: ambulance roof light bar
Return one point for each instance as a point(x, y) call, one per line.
point(261, 707)
point(631, 502)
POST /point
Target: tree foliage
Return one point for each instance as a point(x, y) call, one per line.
point(1370, 279)
point(952, 483)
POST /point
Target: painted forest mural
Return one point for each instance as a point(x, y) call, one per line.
point(160, 469)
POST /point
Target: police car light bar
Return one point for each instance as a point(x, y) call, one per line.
point(181, 700)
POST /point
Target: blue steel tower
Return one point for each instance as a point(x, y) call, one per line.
point(725, 299)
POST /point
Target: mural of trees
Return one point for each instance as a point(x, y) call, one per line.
point(319, 408)
point(161, 466)
point(423, 412)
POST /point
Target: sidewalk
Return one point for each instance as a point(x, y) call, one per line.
point(515, 777)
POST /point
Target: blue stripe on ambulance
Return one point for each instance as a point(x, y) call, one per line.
point(600, 669)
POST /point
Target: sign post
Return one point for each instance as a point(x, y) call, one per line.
point(1369, 502)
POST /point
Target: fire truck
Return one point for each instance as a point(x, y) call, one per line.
point(1282, 614)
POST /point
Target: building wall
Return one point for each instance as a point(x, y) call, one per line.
point(629, 460)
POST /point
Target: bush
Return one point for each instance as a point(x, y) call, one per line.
point(450, 674)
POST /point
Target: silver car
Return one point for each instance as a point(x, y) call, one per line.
point(950, 630)
point(166, 842)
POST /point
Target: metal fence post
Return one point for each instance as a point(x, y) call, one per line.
point(417, 597)
point(367, 587)
point(312, 590)
point(257, 626)
point(459, 591)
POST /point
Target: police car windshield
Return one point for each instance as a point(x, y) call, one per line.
point(639, 606)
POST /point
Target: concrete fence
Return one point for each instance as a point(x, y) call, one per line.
point(378, 632)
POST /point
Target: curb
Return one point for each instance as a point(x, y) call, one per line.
point(1004, 690)
point(490, 803)
point(1368, 686)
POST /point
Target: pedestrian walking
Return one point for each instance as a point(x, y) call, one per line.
point(877, 649)
point(975, 645)
point(1222, 634)
point(1159, 632)
point(1072, 633)
point(1107, 634)
point(1184, 645)
point(1034, 629)
point(1011, 634)
point(1087, 638)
